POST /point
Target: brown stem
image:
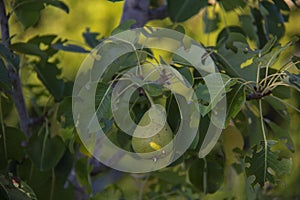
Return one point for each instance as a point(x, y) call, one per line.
point(13, 74)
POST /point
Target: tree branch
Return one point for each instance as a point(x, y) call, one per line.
point(140, 11)
point(13, 74)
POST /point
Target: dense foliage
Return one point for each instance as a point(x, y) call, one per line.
point(42, 157)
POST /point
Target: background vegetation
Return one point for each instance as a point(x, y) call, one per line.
point(41, 156)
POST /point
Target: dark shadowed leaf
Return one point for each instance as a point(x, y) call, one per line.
point(14, 188)
point(5, 82)
point(247, 22)
point(103, 101)
point(11, 145)
point(58, 4)
point(293, 80)
point(274, 21)
point(180, 11)
point(45, 152)
point(28, 48)
point(265, 164)
point(211, 21)
point(90, 38)
point(9, 57)
point(28, 12)
point(70, 47)
point(296, 61)
point(230, 5)
point(48, 73)
point(123, 27)
point(213, 172)
point(64, 113)
point(236, 99)
point(51, 182)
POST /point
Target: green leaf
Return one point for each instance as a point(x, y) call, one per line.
point(111, 192)
point(187, 74)
point(281, 133)
point(171, 177)
point(233, 53)
point(83, 170)
point(246, 22)
point(230, 5)
point(45, 152)
point(103, 101)
point(58, 4)
point(253, 122)
point(153, 89)
point(279, 107)
point(64, 113)
point(28, 12)
point(211, 21)
point(292, 79)
point(296, 61)
point(11, 145)
point(14, 188)
point(180, 11)
point(274, 21)
point(282, 92)
point(215, 91)
point(123, 62)
point(236, 99)
point(269, 167)
point(9, 56)
point(47, 73)
point(213, 173)
point(123, 27)
point(5, 82)
point(282, 5)
point(28, 48)
point(90, 38)
point(51, 183)
point(70, 48)
point(45, 39)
